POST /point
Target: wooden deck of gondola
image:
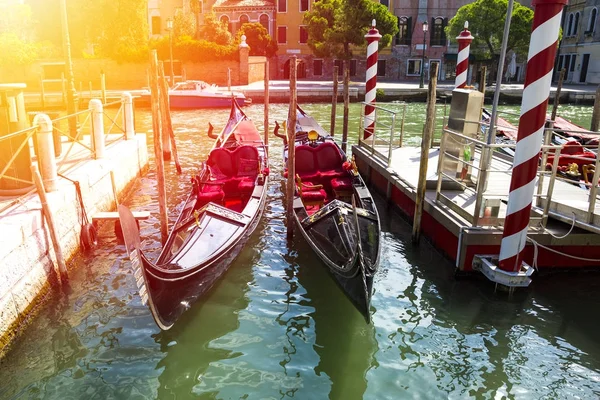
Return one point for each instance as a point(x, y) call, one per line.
point(451, 232)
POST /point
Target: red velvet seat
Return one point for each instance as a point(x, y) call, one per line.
point(246, 186)
point(341, 184)
point(210, 193)
point(305, 163)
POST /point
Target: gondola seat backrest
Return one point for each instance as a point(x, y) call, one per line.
point(226, 164)
point(328, 157)
point(305, 162)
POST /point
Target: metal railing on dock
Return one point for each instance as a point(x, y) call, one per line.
point(473, 177)
point(389, 132)
point(46, 142)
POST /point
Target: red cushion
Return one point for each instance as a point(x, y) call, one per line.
point(341, 184)
point(328, 157)
point(222, 159)
point(246, 185)
point(215, 197)
point(314, 195)
point(245, 152)
point(211, 188)
point(333, 174)
point(572, 147)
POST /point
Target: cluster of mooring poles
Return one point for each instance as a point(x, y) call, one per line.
point(511, 270)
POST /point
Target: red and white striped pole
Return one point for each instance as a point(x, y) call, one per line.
point(540, 62)
point(372, 37)
point(462, 60)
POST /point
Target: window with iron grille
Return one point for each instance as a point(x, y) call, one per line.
point(403, 37)
point(438, 35)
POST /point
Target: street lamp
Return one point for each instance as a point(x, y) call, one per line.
point(425, 26)
point(170, 29)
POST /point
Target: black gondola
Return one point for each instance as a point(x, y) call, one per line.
point(335, 212)
point(222, 210)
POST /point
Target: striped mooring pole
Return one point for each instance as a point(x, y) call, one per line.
point(462, 60)
point(540, 62)
point(372, 37)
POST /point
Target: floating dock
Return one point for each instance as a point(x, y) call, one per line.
point(564, 229)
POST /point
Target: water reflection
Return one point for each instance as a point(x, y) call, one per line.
point(277, 326)
point(344, 342)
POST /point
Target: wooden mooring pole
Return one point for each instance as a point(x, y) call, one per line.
point(561, 78)
point(425, 145)
point(291, 134)
point(157, 137)
point(165, 113)
point(266, 105)
point(334, 100)
point(596, 113)
point(60, 260)
point(346, 105)
point(482, 81)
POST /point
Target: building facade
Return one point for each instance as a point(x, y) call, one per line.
point(411, 49)
point(579, 51)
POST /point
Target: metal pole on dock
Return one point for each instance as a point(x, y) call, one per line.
point(346, 105)
point(561, 78)
point(71, 93)
point(291, 134)
point(103, 86)
point(462, 59)
point(165, 113)
point(334, 100)
point(266, 105)
point(156, 130)
point(42, 94)
point(542, 50)
point(491, 131)
point(60, 260)
point(596, 113)
point(425, 145)
point(372, 37)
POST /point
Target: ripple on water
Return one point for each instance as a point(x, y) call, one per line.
point(276, 325)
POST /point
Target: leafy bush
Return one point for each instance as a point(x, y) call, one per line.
point(187, 49)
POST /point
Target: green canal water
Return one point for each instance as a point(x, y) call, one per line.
point(276, 326)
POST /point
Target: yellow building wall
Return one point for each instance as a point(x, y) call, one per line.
point(292, 19)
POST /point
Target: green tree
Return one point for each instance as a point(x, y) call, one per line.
point(214, 30)
point(18, 46)
point(183, 25)
point(196, 7)
point(486, 23)
point(334, 26)
point(259, 40)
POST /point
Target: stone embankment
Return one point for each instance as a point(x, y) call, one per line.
point(27, 257)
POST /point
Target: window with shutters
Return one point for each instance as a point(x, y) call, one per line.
point(404, 31)
point(317, 67)
point(352, 67)
point(304, 5)
point(282, 34)
point(244, 19)
point(281, 6)
point(438, 35)
point(303, 35)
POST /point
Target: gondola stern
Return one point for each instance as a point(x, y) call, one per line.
point(139, 263)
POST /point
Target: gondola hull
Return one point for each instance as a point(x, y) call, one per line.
point(335, 212)
point(222, 210)
point(170, 293)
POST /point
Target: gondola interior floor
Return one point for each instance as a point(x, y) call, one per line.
point(234, 204)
